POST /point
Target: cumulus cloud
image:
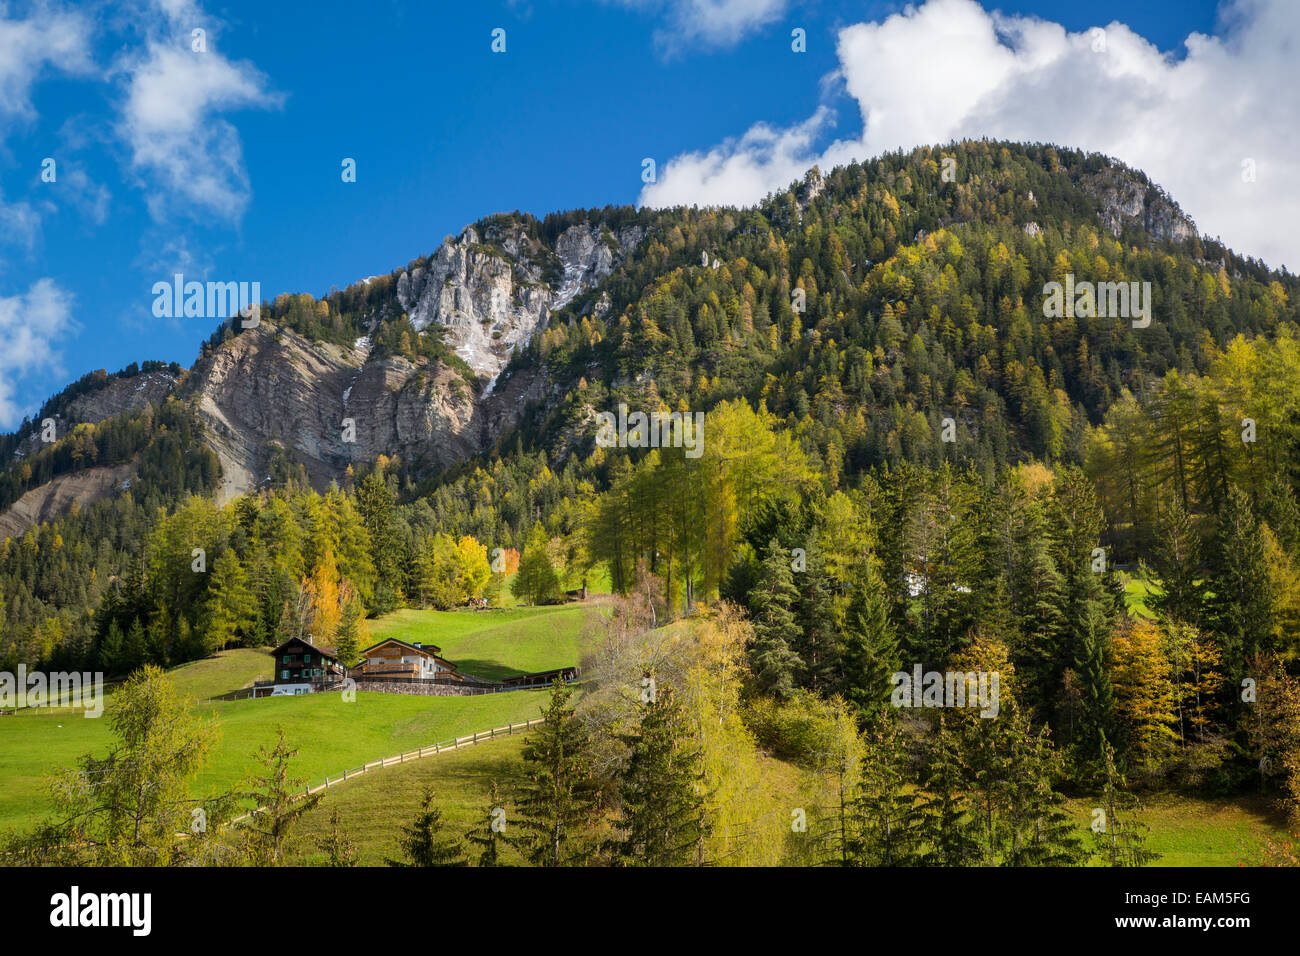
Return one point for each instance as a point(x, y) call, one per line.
point(949, 69)
point(33, 325)
point(172, 118)
point(719, 23)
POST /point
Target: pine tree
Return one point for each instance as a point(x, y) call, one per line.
point(280, 805)
point(945, 813)
point(423, 842)
point(776, 633)
point(871, 653)
point(663, 820)
point(1119, 836)
point(885, 817)
point(486, 837)
point(558, 802)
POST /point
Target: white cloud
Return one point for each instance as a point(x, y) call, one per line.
point(720, 23)
point(949, 69)
point(32, 327)
point(50, 38)
point(171, 119)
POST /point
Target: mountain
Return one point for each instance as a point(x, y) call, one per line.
point(922, 296)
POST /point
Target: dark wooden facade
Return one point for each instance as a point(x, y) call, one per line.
point(299, 661)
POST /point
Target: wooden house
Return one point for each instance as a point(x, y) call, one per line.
point(393, 659)
point(299, 661)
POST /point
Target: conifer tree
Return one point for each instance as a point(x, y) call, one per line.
point(885, 817)
point(1242, 607)
point(871, 653)
point(1176, 560)
point(662, 820)
point(1119, 836)
point(558, 802)
point(280, 805)
point(771, 602)
point(339, 850)
point(230, 607)
point(945, 813)
point(423, 841)
point(818, 646)
point(485, 837)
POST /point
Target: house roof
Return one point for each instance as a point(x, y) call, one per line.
point(564, 673)
point(329, 652)
point(429, 650)
point(433, 650)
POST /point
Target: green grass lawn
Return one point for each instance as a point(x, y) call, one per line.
point(1137, 594)
point(1190, 831)
point(330, 734)
point(497, 643)
point(222, 673)
point(374, 808)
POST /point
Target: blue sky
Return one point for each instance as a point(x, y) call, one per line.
point(225, 163)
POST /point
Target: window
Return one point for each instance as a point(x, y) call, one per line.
point(287, 658)
point(284, 675)
point(306, 658)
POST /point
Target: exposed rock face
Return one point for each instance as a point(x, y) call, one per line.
point(115, 396)
point(271, 387)
point(1128, 201)
point(57, 495)
point(492, 295)
point(122, 394)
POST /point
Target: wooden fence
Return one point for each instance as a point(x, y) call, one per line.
point(454, 744)
point(437, 748)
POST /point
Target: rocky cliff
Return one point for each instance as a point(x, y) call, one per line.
point(328, 405)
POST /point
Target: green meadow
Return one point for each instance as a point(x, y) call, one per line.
point(331, 734)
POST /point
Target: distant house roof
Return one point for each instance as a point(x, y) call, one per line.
point(428, 650)
point(322, 649)
point(542, 677)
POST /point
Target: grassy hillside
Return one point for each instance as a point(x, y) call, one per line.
point(331, 735)
point(374, 808)
point(1190, 831)
point(497, 643)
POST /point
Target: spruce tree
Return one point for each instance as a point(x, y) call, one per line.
point(885, 816)
point(776, 633)
point(663, 820)
point(558, 802)
point(423, 841)
point(1176, 562)
point(871, 653)
point(1242, 607)
point(279, 805)
point(818, 645)
point(1119, 836)
point(339, 850)
point(486, 836)
point(945, 813)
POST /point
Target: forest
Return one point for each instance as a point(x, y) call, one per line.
point(905, 462)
